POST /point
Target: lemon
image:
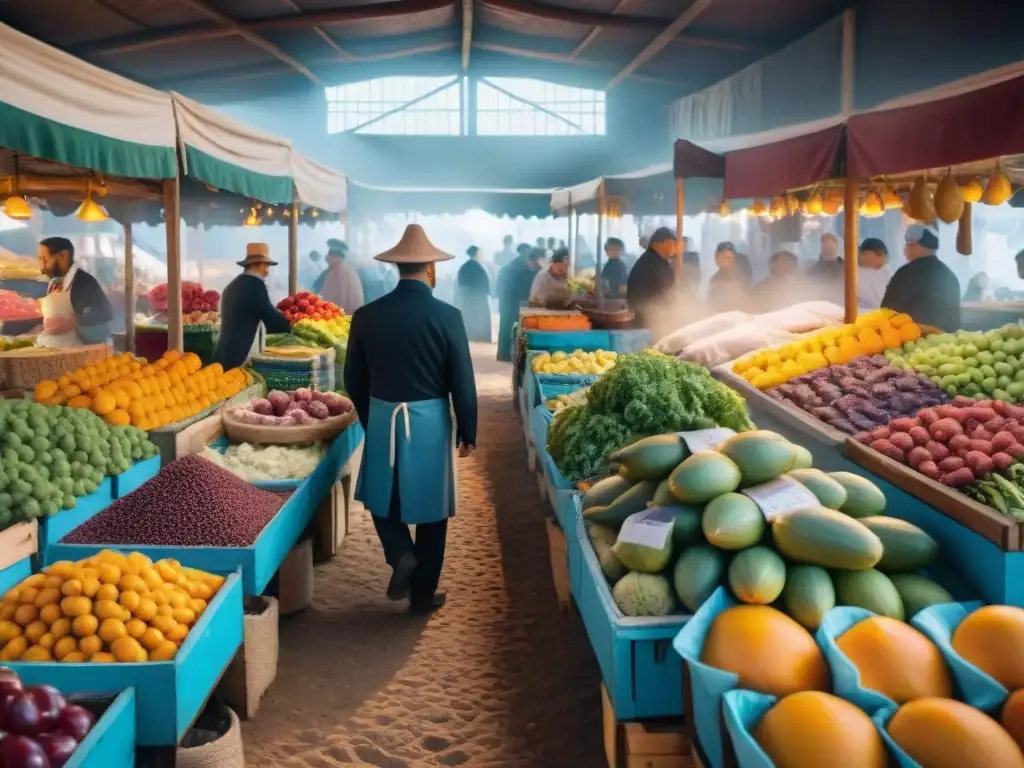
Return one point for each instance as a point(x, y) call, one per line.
point(146, 610)
point(164, 623)
point(128, 650)
point(28, 595)
point(108, 609)
point(7, 612)
point(184, 616)
point(129, 600)
point(34, 631)
point(63, 647)
point(61, 628)
point(47, 641)
point(49, 614)
point(26, 614)
point(107, 592)
point(109, 574)
point(152, 639)
point(166, 651)
point(101, 657)
point(71, 588)
point(14, 649)
point(177, 633)
point(135, 628)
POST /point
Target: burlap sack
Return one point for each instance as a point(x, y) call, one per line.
point(295, 579)
point(225, 752)
point(255, 665)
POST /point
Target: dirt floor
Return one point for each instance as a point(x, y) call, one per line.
point(498, 678)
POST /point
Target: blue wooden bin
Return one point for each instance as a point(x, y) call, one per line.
point(14, 574)
point(139, 473)
point(567, 341)
point(625, 342)
point(111, 742)
point(260, 561)
point(559, 490)
point(53, 529)
point(635, 654)
point(169, 694)
point(540, 420)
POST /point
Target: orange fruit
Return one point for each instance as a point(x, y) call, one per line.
point(104, 403)
point(118, 418)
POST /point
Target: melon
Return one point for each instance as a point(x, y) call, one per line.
point(868, 589)
point(757, 575)
point(703, 476)
point(663, 495)
point(697, 574)
point(803, 459)
point(767, 650)
point(808, 595)
point(813, 729)
point(830, 492)
point(1012, 718)
point(918, 592)
point(761, 455)
point(733, 521)
point(991, 639)
point(942, 733)
point(863, 498)
point(651, 458)
point(896, 660)
point(604, 492)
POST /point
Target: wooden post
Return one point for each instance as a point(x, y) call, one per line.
point(569, 243)
point(172, 224)
point(293, 250)
point(201, 248)
point(680, 209)
point(129, 288)
point(598, 287)
point(851, 212)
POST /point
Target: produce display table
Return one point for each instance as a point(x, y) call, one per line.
point(18, 545)
point(260, 561)
point(169, 694)
point(111, 742)
point(559, 491)
point(53, 529)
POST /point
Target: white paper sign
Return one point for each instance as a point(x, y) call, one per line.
point(778, 497)
point(650, 528)
point(706, 439)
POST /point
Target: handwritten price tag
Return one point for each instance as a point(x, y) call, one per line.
point(706, 439)
point(778, 497)
point(650, 528)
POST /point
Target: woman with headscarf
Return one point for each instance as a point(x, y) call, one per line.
point(473, 287)
point(728, 288)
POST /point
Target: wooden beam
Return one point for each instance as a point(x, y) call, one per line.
point(121, 13)
point(563, 58)
point(129, 288)
point(331, 42)
point(467, 32)
point(403, 107)
point(293, 250)
point(172, 226)
point(595, 32)
point(584, 18)
point(256, 39)
point(666, 36)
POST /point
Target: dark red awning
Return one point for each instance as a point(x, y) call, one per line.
point(965, 128)
point(771, 169)
point(690, 161)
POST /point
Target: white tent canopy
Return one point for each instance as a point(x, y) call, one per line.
point(317, 185)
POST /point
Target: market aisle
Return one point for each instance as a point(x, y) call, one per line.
point(498, 678)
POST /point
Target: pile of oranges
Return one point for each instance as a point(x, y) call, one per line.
point(123, 390)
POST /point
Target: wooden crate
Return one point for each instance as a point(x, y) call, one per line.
point(559, 552)
point(645, 744)
point(18, 542)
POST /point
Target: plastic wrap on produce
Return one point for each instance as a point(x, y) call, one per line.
point(731, 344)
point(680, 339)
point(803, 317)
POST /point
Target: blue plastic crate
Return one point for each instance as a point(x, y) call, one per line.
point(540, 420)
point(624, 342)
point(260, 561)
point(169, 694)
point(111, 742)
point(53, 529)
point(642, 675)
point(139, 473)
point(551, 385)
point(559, 489)
point(574, 546)
point(14, 574)
point(567, 341)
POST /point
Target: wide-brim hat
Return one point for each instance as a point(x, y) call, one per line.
point(257, 253)
point(414, 248)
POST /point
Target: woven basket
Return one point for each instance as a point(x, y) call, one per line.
point(325, 430)
point(225, 752)
point(295, 579)
point(255, 665)
point(24, 368)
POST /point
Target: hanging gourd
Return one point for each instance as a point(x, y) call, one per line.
point(872, 206)
point(948, 200)
point(920, 205)
point(998, 190)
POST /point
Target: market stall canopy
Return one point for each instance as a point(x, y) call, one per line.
point(317, 185)
point(57, 107)
point(691, 161)
point(231, 156)
point(647, 192)
point(377, 201)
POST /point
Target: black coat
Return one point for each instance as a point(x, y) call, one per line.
point(472, 296)
point(651, 282)
point(243, 306)
point(928, 291)
point(409, 346)
point(615, 275)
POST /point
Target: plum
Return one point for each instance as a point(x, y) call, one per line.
point(279, 400)
point(303, 395)
point(262, 405)
point(928, 416)
point(318, 410)
point(979, 463)
point(937, 450)
point(959, 442)
point(1002, 461)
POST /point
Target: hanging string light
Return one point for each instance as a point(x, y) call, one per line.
point(90, 211)
point(15, 206)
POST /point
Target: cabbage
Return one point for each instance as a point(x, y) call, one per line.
point(644, 594)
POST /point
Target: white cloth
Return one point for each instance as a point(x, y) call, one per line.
point(57, 306)
point(871, 285)
point(318, 185)
point(546, 287)
point(342, 286)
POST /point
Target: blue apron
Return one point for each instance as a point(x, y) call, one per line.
point(419, 439)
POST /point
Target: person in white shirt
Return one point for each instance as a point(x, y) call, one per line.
point(873, 273)
point(552, 283)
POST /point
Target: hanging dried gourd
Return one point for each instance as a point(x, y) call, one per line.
point(972, 191)
point(998, 190)
point(948, 200)
point(964, 237)
point(920, 205)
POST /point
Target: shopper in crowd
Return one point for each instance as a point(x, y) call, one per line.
point(691, 272)
point(514, 282)
point(552, 284)
point(729, 287)
point(507, 252)
point(244, 305)
point(827, 273)
point(651, 290)
point(341, 284)
point(614, 273)
point(782, 287)
point(873, 273)
point(924, 287)
point(407, 369)
point(979, 288)
point(472, 297)
point(310, 271)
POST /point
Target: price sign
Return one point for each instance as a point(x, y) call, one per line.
point(650, 528)
point(778, 497)
point(705, 439)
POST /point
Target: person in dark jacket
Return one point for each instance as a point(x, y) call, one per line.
point(826, 276)
point(75, 311)
point(245, 304)
point(651, 285)
point(514, 282)
point(782, 287)
point(506, 254)
point(924, 287)
point(614, 274)
point(728, 288)
point(472, 297)
point(407, 369)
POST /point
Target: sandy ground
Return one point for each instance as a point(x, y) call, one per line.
point(498, 678)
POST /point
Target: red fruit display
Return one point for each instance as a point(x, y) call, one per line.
point(40, 729)
point(308, 306)
point(14, 306)
point(193, 298)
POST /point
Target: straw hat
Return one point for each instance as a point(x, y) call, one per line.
point(257, 253)
point(414, 248)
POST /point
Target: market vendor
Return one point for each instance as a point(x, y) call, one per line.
point(409, 373)
point(651, 285)
point(245, 304)
point(552, 284)
point(75, 309)
point(924, 287)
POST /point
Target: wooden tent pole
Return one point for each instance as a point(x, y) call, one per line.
point(172, 225)
point(569, 243)
point(851, 206)
point(293, 250)
point(129, 288)
point(601, 200)
point(680, 198)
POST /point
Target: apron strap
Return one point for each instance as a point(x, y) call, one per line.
point(404, 408)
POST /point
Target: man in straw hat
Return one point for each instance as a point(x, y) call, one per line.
point(244, 305)
point(407, 369)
